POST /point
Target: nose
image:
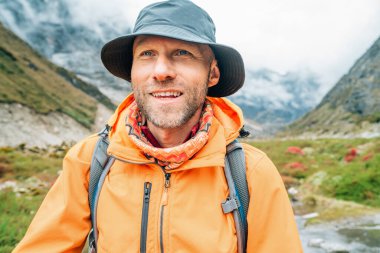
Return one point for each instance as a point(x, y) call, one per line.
point(164, 69)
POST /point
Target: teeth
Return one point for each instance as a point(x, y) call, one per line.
point(167, 94)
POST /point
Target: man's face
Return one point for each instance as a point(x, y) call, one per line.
point(170, 79)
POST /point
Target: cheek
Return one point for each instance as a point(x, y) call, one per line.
point(134, 75)
point(139, 73)
point(196, 75)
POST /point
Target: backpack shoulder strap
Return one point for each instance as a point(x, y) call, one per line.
point(100, 165)
point(236, 158)
point(238, 200)
point(98, 161)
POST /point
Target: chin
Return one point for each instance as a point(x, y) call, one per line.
point(168, 121)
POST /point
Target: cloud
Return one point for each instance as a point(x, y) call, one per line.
point(93, 12)
point(324, 36)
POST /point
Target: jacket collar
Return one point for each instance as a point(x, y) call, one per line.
point(225, 128)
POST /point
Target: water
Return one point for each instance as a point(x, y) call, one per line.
point(359, 235)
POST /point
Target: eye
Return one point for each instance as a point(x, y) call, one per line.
point(146, 53)
point(183, 52)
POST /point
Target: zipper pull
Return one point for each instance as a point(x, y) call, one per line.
point(167, 180)
point(147, 188)
point(164, 200)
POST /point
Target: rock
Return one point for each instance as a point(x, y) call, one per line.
point(317, 178)
point(20, 190)
point(37, 130)
point(32, 185)
point(315, 242)
point(55, 130)
point(308, 150)
point(8, 184)
point(292, 191)
point(310, 201)
point(310, 216)
point(335, 248)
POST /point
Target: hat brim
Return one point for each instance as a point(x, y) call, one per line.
point(117, 57)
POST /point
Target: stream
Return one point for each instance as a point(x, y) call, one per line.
point(354, 235)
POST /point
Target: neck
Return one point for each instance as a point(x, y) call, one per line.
point(171, 137)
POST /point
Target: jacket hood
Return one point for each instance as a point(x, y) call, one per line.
point(225, 126)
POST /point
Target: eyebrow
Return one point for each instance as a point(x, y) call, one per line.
point(199, 47)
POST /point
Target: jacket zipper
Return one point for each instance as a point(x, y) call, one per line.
point(164, 202)
point(144, 219)
point(144, 222)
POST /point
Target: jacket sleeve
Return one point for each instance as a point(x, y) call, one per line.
point(63, 219)
point(271, 223)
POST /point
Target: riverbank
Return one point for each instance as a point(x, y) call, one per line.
point(358, 234)
point(329, 225)
point(308, 202)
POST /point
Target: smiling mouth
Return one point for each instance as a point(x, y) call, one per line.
point(166, 94)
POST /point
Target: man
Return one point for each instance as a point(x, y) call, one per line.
point(164, 191)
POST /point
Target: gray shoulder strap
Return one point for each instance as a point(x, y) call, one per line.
point(98, 161)
point(100, 165)
point(236, 158)
point(238, 200)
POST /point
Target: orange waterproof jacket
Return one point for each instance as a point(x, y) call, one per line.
point(185, 216)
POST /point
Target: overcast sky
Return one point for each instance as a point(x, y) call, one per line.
point(323, 36)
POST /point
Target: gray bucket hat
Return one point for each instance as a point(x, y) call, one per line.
point(183, 20)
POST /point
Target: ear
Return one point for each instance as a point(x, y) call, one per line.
point(214, 75)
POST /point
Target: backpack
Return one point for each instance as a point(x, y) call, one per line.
point(235, 172)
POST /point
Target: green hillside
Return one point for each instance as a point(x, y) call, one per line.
point(29, 79)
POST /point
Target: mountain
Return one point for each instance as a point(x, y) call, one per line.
point(55, 30)
point(271, 100)
point(351, 108)
point(41, 103)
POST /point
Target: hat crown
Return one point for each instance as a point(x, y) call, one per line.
point(179, 13)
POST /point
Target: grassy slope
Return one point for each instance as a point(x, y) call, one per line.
point(29, 79)
point(357, 180)
point(17, 207)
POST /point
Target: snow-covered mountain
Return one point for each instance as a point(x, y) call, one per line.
point(57, 31)
point(271, 100)
point(61, 32)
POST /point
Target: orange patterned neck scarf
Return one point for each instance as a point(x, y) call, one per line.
point(169, 158)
